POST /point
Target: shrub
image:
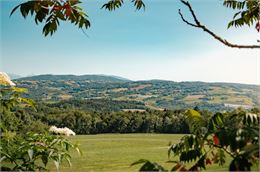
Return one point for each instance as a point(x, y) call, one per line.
point(33, 151)
point(235, 134)
point(22, 151)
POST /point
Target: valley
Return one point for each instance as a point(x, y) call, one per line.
point(151, 94)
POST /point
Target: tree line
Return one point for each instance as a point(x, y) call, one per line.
point(87, 122)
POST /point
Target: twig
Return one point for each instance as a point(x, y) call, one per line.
point(221, 147)
point(204, 28)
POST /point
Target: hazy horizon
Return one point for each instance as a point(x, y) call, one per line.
point(119, 76)
point(138, 45)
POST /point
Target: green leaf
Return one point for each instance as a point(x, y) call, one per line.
point(195, 121)
point(57, 164)
point(79, 151)
point(190, 155)
point(139, 4)
point(28, 101)
point(201, 162)
point(24, 8)
point(60, 15)
point(113, 4)
point(14, 9)
point(222, 156)
point(149, 166)
point(193, 113)
point(45, 159)
point(30, 153)
point(140, 161)
point(2, 158)
point(68, 160)
point(50, 153)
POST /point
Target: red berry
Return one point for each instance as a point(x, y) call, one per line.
point(68, 12)
point(215, 139)
point(57, 8)
point(208, 161)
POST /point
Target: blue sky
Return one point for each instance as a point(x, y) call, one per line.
point(139, 45)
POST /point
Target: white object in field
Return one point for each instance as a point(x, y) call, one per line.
point(65, 131)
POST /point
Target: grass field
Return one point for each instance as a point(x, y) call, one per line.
point(115, 152)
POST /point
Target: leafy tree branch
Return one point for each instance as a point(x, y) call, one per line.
point(51, 12)
point(197, 24)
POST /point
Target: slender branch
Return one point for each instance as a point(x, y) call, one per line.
point(225, 149)
point(183, 19)
point(220, 147)
point(204, 28)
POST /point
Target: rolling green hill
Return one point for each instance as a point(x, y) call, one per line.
point(105, 78)
point(154, 94)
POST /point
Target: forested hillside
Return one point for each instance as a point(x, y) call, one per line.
point(109, 93)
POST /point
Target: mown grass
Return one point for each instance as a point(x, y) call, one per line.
point(115, 152)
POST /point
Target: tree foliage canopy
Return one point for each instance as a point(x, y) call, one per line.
point(51, 12)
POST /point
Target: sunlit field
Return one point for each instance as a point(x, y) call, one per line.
point(115, 152)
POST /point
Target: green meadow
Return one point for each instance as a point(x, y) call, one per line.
point(115, 152)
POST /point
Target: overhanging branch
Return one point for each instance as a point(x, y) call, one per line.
point(197, 24)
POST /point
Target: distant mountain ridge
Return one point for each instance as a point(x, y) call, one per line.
point(154, 94)
point(51, 77)
point(111, 78)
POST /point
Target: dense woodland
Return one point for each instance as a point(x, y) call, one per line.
point(84, 121)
